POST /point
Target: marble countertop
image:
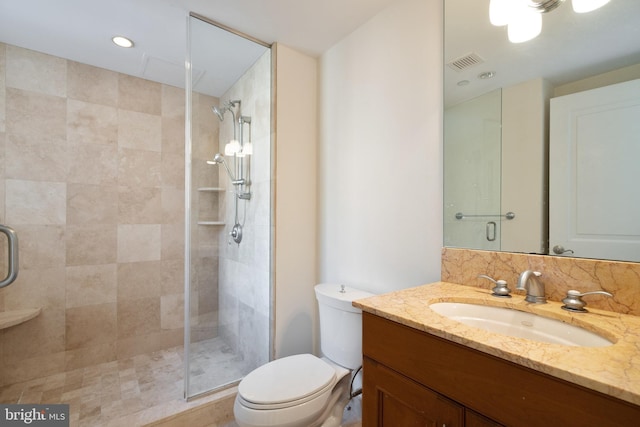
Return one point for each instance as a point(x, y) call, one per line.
point(613, 370)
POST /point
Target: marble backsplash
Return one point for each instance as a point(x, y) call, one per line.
point(559, 274)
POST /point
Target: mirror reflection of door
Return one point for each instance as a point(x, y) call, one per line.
point(472, 182)
point(595, 173)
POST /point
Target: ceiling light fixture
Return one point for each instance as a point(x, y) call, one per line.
point(122, 41)
point(487, 75)
point(523, 18)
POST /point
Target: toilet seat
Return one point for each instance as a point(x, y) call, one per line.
point(287, 382)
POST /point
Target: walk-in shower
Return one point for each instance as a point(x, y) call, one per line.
point(228, 207)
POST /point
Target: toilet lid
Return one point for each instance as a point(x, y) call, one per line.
point(287, 379)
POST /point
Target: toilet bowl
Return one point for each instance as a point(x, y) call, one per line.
point(304, 390)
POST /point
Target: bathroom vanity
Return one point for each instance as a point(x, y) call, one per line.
point(421, 368)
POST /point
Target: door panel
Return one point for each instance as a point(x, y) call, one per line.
point(595, 172)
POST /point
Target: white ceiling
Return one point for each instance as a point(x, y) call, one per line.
point(81, 30)
point(571, 46)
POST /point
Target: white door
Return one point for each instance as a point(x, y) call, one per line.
point(594, 173)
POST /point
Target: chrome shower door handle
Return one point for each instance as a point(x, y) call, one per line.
point(491, 231)
point(12, 255)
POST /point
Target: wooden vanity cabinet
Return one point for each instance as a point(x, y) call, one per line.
point(412, 378)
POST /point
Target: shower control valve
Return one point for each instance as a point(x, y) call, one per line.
point(236, 233)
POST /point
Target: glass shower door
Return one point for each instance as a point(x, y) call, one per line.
point(473, 165)
point(228, 205)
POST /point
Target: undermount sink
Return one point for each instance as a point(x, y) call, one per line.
point(519, 324)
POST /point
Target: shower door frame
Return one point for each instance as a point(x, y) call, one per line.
point(188, 200)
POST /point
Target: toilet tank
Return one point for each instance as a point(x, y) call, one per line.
point(340, 323)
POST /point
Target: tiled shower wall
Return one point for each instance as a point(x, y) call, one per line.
point(244, 271)
point(92, 180)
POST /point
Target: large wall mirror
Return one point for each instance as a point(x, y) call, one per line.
point(541, 137)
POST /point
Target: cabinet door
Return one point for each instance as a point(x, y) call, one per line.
point(473, 419)
point(392, 400)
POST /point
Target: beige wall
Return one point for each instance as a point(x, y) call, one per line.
point(295, 216)
point(525, 151)
point(92, 181)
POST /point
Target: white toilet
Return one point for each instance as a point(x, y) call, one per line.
point(304, 390)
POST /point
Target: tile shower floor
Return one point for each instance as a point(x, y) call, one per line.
point(128, 392)
point(139, 390)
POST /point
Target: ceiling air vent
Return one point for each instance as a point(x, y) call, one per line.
point(465, 62)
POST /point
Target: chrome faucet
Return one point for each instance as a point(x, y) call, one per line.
point(528, 281)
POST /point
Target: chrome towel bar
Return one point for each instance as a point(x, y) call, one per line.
point(508, 215)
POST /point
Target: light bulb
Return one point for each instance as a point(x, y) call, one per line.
point(232, 148)
point(525, 24)
point(247, 149)
point(500, 12)
point(122, 41)
point(584, 6)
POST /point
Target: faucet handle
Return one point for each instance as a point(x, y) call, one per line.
point(573, 301)
point(500, 289)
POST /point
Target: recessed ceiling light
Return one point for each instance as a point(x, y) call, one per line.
point(463, 83)
point(487, 75)
point(122, 41)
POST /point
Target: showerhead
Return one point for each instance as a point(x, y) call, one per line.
point(219, 112)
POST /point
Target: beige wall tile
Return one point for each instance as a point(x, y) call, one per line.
point(136, 94)
point(172, 241)
point(92, 84)
point(139, 131)
point(90, 325)
point(173, 136)
point(39, 336)
point(173, 205)
point(92, 204)
point(35, 161)
point(138, 317)
point(31, 202)
point(139, 280)
point(173, 170)
point(95, 179)
point(139, 205)
point(3, 92)
point(139, 168)
point(91, 244)
point(89, 123)
point(2, 175)
point(173, 102)
point(172, 311)
point(41, 246)
point(138, 242)
point(28, 368)
point(131, 346)
point(89, 356)
point(93, 164)
point(35, 118)
point(206, 142)
point(36, 72)
point(43, 287)
point(91, 284)
point(173, 276)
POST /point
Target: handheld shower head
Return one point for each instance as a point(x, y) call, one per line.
point(219, 159)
